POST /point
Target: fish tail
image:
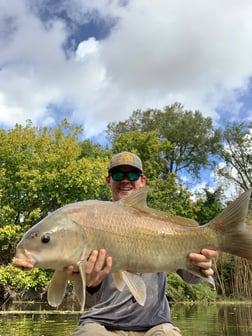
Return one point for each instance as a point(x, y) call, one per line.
point(234, 237)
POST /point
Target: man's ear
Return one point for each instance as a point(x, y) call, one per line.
point(144, 179)
point(108, 180)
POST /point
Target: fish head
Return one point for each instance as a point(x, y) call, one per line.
point(54, 243)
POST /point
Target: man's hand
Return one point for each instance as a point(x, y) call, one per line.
point(204, 260)
point(97, 267)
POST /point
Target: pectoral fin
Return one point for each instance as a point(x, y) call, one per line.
point(80, 285)
point(57, 289)
point(118, 280)
point(134, 282)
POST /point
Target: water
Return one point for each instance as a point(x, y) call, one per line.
point(214, 319)
point(33, 324)
point(208, 320)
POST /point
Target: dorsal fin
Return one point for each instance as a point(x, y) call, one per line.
point(138, 201)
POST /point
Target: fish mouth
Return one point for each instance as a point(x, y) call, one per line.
point(22, 264)
point(23, 260)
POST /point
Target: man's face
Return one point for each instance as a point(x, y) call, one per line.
point(124, 187)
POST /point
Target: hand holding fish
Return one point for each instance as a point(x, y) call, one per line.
point(204, 260)
point(97, 267)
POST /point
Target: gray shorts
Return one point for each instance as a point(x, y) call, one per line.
point(91, 329)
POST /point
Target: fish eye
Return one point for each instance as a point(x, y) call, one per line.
point(45, 238)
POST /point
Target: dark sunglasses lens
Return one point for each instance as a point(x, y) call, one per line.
point(131, 176)
point(117, 176)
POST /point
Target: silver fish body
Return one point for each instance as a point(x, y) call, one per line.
point(138, 238)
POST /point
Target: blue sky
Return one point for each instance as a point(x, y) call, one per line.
point(97, 61)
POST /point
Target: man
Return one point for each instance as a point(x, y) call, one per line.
point(117, 313)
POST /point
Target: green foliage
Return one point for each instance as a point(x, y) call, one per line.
point(9, 236)
point(7, 215)
point(24, 280)
point(41, 170)
point(192, 137)
point(208, 206)
point(94, 151)
point(237, 154)
point(179, 290)
point(167, 195)
point(224, 269)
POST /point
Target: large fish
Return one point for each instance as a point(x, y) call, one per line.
point(138, 238)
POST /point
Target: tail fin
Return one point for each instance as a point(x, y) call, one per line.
point(230, 223)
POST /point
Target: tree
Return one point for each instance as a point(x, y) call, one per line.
point(237, 154)
point(209, 205)
point(193, 137)
point(42, 169)
point(167, 195)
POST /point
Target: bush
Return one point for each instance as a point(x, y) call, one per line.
point(179, 290)
point(22, 281)
point(9, 235)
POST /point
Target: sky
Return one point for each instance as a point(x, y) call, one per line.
point(95, 62)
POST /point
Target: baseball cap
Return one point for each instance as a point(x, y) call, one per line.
point(126, 159)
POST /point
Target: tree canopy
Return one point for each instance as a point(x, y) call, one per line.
point(192, 139)
point(42, 169)
point(236, 152)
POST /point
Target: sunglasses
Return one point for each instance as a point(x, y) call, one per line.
point(131, 175)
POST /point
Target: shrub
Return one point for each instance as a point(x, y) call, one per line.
point(179, 290)
point(22, 281)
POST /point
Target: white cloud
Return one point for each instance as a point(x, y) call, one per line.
point(159, 52)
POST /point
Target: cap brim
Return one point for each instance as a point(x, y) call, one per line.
point(124, 165)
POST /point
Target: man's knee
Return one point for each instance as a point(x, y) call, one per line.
point(91, 329)
point(165, 329)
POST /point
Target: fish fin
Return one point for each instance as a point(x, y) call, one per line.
point(136, 286)
point(210, 279)
point(118, 280)
point(134, 282)
point(80, 285)
point(57, 289)
point(137, 200)
point(230, 224)
point(193, 271)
